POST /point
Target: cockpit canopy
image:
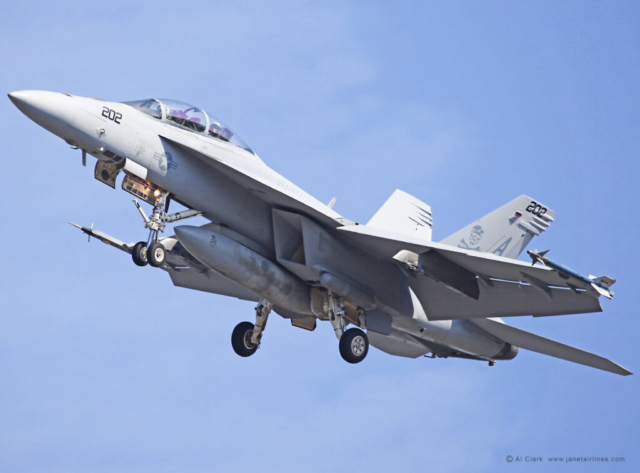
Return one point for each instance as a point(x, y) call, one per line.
point(189, 117)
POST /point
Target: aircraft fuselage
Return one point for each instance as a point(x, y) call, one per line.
point(170, 156)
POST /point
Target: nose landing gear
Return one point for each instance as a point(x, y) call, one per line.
point(139, 254)
point(152, 251)
point(156, 254)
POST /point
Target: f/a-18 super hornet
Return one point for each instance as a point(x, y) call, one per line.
point(271, 243)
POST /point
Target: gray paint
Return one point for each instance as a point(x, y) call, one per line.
point(379, 322)
point(246, 267)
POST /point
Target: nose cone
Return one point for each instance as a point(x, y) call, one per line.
point(51, 110)
point(19, 98)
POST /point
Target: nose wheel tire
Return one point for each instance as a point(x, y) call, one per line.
point(156, 254)
point(139, 254)
point(354, 345)
point(241, 339)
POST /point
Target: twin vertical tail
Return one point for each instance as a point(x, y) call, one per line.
point(506, 231)
point(404, 214)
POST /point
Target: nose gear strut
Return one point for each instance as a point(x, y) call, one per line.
point(154, 252)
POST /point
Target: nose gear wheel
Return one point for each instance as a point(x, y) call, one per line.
point(156, 254)
point(139, 254)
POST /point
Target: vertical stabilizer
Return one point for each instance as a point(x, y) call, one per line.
point(505, 231)
point(402, 213)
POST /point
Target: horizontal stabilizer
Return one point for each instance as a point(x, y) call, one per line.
point(529, 341)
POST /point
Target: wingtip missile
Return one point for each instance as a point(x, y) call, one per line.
point(606, 292)
point(600, 285)
point(88, 231)
point(104, 238)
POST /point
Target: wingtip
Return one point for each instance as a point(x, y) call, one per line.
point(617, 369)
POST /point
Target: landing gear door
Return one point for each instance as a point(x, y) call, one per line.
point(107, 172)
point(141, 188)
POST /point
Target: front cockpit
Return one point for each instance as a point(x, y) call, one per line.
point(189, 117)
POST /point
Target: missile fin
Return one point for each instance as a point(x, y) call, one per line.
point(602, 291)
point(605, 281)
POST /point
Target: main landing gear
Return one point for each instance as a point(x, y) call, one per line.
point(354, 343)
point(246, 337)
point(241, 339)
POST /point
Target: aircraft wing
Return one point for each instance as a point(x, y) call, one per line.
point(453, 283)
point(542, 345)
point(266, 184)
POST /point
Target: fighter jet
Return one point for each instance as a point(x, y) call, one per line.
point(384, 283)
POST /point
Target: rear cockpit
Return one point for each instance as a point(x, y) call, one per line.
point(189, 117)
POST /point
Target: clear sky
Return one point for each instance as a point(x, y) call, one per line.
point(107, 367)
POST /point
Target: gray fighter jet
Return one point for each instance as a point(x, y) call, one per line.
point(272, 243)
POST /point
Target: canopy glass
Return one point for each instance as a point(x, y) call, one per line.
point(190, 117)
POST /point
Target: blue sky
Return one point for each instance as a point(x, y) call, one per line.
point(466, 105)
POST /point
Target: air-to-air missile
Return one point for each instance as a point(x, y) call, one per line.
point(600, 284)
